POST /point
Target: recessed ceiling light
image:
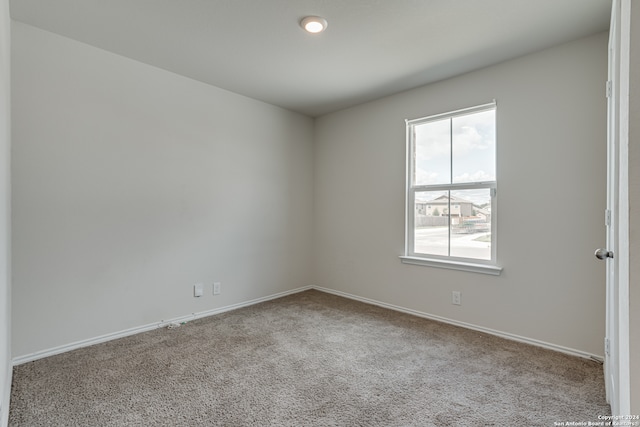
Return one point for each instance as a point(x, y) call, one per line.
point(313, 24)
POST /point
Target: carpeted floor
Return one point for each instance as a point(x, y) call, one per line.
point(309, 359)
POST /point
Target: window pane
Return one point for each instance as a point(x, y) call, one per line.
point(471, 223)
point(432, 160)
point(474, 147)
point(431, 233)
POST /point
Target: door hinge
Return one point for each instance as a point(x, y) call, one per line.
point(608, 89)
point(607, 347)
point(607, 217)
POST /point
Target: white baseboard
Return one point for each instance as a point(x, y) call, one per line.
point(501, 334)
point(151, 326)
point(163, 323)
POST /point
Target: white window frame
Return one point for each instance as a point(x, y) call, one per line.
point(449, 262)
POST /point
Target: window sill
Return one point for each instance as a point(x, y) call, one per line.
point(453, 265)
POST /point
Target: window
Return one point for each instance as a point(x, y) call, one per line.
point(451, 168)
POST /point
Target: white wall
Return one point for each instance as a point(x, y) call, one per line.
point(551, 152)
point(5, 210)
point(130, 184)
point(634, 204)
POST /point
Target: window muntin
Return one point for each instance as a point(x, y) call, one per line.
point(452, 186)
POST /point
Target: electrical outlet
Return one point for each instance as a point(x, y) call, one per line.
point(216, 288)
point(456, 298)
point(198, 290)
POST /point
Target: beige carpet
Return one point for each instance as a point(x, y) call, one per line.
point(310, 359)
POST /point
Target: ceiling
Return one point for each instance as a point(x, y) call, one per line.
point(371, 48)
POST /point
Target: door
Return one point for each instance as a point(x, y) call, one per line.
point(608, 254)
point(616, 252)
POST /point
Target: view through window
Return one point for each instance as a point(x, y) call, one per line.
point(452, 185)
